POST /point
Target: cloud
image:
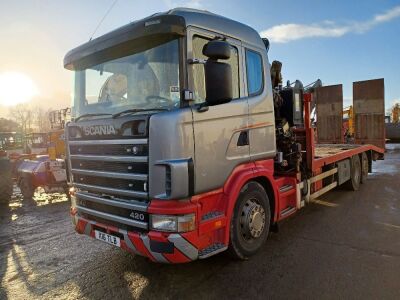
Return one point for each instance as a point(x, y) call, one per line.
point(388, 16)
point(198, 4)
point(290, 32)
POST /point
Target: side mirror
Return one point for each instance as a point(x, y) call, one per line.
point(217, 49)
point(218, 75)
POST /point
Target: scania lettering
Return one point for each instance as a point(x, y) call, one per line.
point(184, 143)
point(99, 130)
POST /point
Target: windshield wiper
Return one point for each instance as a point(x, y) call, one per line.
point(135, 110)
point(91, 115)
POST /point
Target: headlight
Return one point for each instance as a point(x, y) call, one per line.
point(170, 223)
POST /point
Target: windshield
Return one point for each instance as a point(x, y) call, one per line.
point(144, 80)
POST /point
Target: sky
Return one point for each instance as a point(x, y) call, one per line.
point(336, 41)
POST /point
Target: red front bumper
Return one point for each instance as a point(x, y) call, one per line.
point(157, 246)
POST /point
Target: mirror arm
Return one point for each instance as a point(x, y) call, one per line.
point(203, 107)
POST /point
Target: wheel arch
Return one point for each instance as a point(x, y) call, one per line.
point(243, 174)
point(267, 185)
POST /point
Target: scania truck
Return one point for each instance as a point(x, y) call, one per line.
point(182, 146)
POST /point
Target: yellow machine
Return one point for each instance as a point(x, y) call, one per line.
point(395, 113)
point(348, 121)
point(58, 118)
point(56, 147)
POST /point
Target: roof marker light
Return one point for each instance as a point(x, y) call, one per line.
point(152, 22)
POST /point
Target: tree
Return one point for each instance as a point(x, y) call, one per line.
point(7, 125)
point(31, 119)
point(22, 115)
point(41, 119)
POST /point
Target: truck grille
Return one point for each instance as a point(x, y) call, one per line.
point(111, 177)
point(116, 183)
point(119, 167)
point(126, 149)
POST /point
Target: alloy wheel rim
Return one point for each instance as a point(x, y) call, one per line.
point(252, 220)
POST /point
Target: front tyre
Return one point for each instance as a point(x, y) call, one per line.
point(251, 221)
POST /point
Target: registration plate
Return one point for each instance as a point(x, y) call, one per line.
point(108, 238)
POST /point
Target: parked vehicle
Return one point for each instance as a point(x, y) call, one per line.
point(6, 182)
point(11, 140)
point(392, 124)
point(392, 132)
point(13, 143)
point(36, 143)
point(180, 147)
point(44, 172)
point(47, 170)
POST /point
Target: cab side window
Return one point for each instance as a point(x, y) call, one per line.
point(198, 70)
point(254, 69)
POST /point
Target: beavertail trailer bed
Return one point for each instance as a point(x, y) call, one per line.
point(326, 154)
point(330, 165)
point(337, 158)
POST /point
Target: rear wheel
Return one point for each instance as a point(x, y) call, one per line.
point(355, 174)
point(364, 167)
point(251, 221)
point(27, 188)
point(6, 181)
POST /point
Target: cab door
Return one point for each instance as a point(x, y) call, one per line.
point(221, 141)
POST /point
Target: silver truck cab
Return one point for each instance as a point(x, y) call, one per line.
point(143, 125)
point(207, 145)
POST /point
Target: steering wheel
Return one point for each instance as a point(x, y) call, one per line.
point(121, 98)
point(163, 99)
point(107, 101)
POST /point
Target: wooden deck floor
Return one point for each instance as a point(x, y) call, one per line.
point(325, 150)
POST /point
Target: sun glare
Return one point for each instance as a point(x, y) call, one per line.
point(16, 88)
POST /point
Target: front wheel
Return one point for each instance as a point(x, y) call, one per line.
point(251, 221)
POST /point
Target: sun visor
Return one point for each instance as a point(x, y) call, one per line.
point(129, 39)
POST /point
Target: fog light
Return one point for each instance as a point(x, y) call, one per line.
point(169, 223)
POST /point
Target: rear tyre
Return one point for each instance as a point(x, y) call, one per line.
point(251, 221)
point(27, 188)
point(6, 181)
point(355, 174)
point(364, 167)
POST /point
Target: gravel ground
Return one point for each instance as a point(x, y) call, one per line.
point(345, 246)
